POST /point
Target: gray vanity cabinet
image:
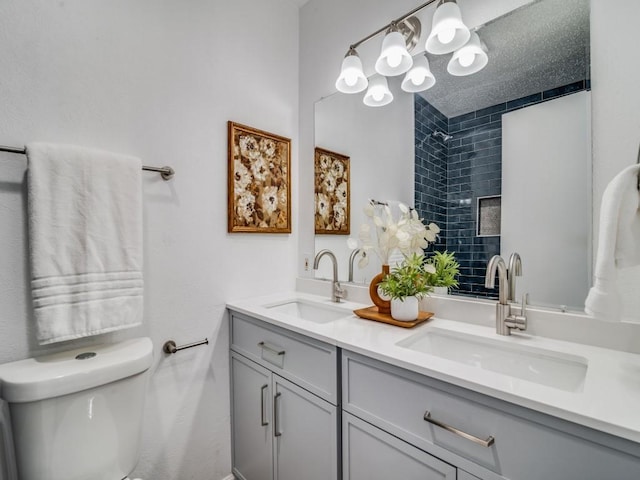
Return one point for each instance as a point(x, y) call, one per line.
point(280, 430)
point(369, 453)
point(252, 439)
point(489, 438)
point(305, 434)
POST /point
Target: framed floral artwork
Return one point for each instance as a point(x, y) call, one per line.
point(259, 183)
point(331, 193)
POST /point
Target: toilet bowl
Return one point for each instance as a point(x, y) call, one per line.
point(76, 415)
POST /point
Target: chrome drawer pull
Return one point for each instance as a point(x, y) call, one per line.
point(485, 443)
point(271, 349)
point(276, 416)
point(263, 422)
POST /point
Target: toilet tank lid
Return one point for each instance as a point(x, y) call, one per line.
point(75, 370)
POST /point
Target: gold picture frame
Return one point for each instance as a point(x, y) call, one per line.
point(331, 193)
point(259, 181)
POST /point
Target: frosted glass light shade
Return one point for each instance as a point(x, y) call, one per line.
point(351, 78)
point(469, 59)
point(419, 78)
point(378, 94)
point(394, 58)
point(448, 31)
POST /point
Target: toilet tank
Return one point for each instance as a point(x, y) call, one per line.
point(77, 415)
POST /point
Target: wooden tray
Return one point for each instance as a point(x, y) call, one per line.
point(371, 313)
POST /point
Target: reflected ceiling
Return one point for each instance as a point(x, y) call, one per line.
point(524, 57)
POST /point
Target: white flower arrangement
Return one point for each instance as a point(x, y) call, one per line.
point(408, 234)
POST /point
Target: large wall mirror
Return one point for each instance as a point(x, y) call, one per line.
point(500, 160)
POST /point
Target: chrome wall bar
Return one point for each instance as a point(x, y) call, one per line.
point(165, 172)
point(638, 162)
point(389, 25)
point(170, 346)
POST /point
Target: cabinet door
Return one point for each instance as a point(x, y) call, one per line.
point(462, 475)
point(252, 433)
point(369, 453)
point(305, 431)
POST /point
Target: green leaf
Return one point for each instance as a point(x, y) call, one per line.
point(407, 279)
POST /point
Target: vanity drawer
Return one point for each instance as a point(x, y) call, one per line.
point(309, 363)
point(526, 445)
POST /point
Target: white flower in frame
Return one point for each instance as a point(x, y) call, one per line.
point(241, 177)
point(268, 147)
point(246, 206)
point(341, 194)
point(260, 169)
point(325, 162)
point(329, 183)
point(339, 216)
point(322, 205)
point(337, 168)
point(249, 147)
point(269, 200)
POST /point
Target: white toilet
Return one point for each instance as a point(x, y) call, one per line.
point(77, 415)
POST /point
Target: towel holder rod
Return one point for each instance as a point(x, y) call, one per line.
point(165, 172)
point(638, 162)
point(171, 347)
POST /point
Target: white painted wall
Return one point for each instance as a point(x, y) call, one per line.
point(158, 79)
point(374, 139)
point(546, 152)
point(616, 117)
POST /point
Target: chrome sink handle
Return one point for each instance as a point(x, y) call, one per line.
point(518, 321)
point(505, 320)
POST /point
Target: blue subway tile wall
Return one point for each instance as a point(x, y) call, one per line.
point(431, 167)
point(452, 175)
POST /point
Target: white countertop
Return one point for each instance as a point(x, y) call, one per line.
point(609, 399)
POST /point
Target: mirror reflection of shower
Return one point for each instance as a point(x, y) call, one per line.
point(441, 135)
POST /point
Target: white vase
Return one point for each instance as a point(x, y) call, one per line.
point(441, 290)
point(405, 310)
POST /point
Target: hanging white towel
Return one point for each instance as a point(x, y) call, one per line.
point(85, 234)
point(618, 243)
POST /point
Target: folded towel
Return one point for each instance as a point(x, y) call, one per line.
point(618, 243)
point(85, 234)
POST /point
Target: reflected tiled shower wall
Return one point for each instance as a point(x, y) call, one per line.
point(451, 175)
point(431, 168)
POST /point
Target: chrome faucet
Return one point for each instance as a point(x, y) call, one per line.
point(505, 320)
point(352, 259)
point(514, 270)
point(337, 293)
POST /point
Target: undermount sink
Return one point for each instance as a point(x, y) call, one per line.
point(533, 364)
point(310, 311)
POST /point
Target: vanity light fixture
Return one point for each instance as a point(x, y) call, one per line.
point(469, 59)
point(394, 58)
point(419, 78)
point(378, 94)
point(448, 31)
point(351, 78)
point(448, 34)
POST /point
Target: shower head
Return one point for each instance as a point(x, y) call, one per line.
point(442, 135)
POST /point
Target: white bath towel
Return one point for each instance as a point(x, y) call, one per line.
point(85, 234)
point(618, 243)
